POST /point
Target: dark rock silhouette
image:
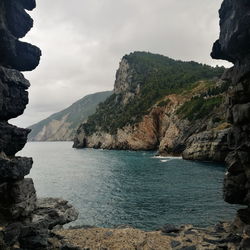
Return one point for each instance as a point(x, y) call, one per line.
point(24, 219)
point(233, 45)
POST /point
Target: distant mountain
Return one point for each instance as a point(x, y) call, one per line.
point(62, 126)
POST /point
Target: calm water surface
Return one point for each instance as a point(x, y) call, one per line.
point(111, 188)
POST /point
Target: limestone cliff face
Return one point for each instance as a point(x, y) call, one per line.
point(141, 136)
point(233, 45)
point(162, 128)
point(125, 87)
point(23, 218)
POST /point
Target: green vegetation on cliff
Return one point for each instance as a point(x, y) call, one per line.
point(198, 107)
point(156, 76)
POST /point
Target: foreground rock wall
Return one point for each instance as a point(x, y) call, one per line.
point(234, 46)
point(19, 196)
point(24, 220)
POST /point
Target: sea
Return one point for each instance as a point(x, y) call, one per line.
point(111, 188)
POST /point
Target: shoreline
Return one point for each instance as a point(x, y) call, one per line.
point(188, 237)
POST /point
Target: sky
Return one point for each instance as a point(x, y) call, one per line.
point(83, 41)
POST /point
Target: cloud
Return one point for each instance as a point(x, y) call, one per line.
point(83, 41)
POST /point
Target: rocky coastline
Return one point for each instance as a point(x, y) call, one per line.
point(25, 220)
point(184, 237)
point(168, 125)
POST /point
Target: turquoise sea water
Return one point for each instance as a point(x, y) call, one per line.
point(111, 188)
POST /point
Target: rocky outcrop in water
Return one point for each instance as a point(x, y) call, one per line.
point(24, 220)
point(233, 45)
point(210, 145)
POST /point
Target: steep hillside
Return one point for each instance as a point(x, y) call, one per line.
point(62, 126)
point(158, 103)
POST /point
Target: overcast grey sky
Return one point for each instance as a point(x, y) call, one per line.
point(82, 42)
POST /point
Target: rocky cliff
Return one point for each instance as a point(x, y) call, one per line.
point(62, 125)
point(185, 95)
point(24, 219)
point(233, 45)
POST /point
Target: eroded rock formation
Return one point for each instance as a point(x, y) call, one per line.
point(164, 130)
point(209, 145)
point(233, 45)
point(24, 220)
